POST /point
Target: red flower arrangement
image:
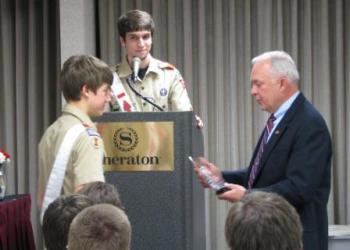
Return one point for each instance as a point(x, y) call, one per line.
point(4, 157)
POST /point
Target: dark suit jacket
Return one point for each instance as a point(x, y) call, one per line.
point(296, 164)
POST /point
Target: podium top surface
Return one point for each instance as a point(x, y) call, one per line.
point(144, 116)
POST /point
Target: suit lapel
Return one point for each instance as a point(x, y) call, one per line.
point(279, 131)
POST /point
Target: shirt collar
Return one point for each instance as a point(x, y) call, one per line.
point(84, 118)
point(285, 106)
point(281, 111)
point(154, 66)
point(125, 70)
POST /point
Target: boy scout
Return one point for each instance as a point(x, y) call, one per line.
point(71, 150)
point(159, 82)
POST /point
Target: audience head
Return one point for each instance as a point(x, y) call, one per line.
point(57, 219)
point(102, 227)
point(263, 221)
point(102, 192)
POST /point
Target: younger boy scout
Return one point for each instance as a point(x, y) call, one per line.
point(71, 150)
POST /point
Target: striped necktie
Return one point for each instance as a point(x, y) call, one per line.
point(256, 163)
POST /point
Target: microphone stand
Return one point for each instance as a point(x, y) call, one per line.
point(130, 82)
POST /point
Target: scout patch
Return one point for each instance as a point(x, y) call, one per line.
point(92, 132)
point(95, 142)
point(163, 92)
point(94, 136)
point(126, 106)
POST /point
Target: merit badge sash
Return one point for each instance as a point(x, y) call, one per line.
point(121, 96)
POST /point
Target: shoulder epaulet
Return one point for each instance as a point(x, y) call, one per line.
point(86, 125)
point(90, 130)
point(116, 67)
point(165, 65)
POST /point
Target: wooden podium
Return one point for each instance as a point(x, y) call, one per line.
point(147, 159)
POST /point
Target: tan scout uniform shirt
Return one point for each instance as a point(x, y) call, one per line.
point(85, 162)
point(162, 84)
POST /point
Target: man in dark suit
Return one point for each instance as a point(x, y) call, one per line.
point(292, 157)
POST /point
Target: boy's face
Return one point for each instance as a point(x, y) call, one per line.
point(97, 101)
point(137, 44)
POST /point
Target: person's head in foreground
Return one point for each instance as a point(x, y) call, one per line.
point(57, 219)
point(263, 221)
point(102, 192)
point(100, 227)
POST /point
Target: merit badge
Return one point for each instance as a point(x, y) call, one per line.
point(163, 92)
point(126, 106)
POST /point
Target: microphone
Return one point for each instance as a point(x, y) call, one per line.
point(135, 68)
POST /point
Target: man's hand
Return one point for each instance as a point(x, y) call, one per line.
point(235, 192)
point(215, 172)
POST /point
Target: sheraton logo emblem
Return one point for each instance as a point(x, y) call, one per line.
point(125, 139)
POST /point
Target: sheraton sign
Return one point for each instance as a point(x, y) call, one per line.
point(138, 146)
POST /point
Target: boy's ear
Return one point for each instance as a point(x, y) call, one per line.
point(84, 90)
point(122, 41)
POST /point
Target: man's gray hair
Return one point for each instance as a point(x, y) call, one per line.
point(281, 63)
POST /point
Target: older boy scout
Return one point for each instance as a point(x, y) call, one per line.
point(159, 82)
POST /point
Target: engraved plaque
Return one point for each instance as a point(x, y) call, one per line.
point(138, 146)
